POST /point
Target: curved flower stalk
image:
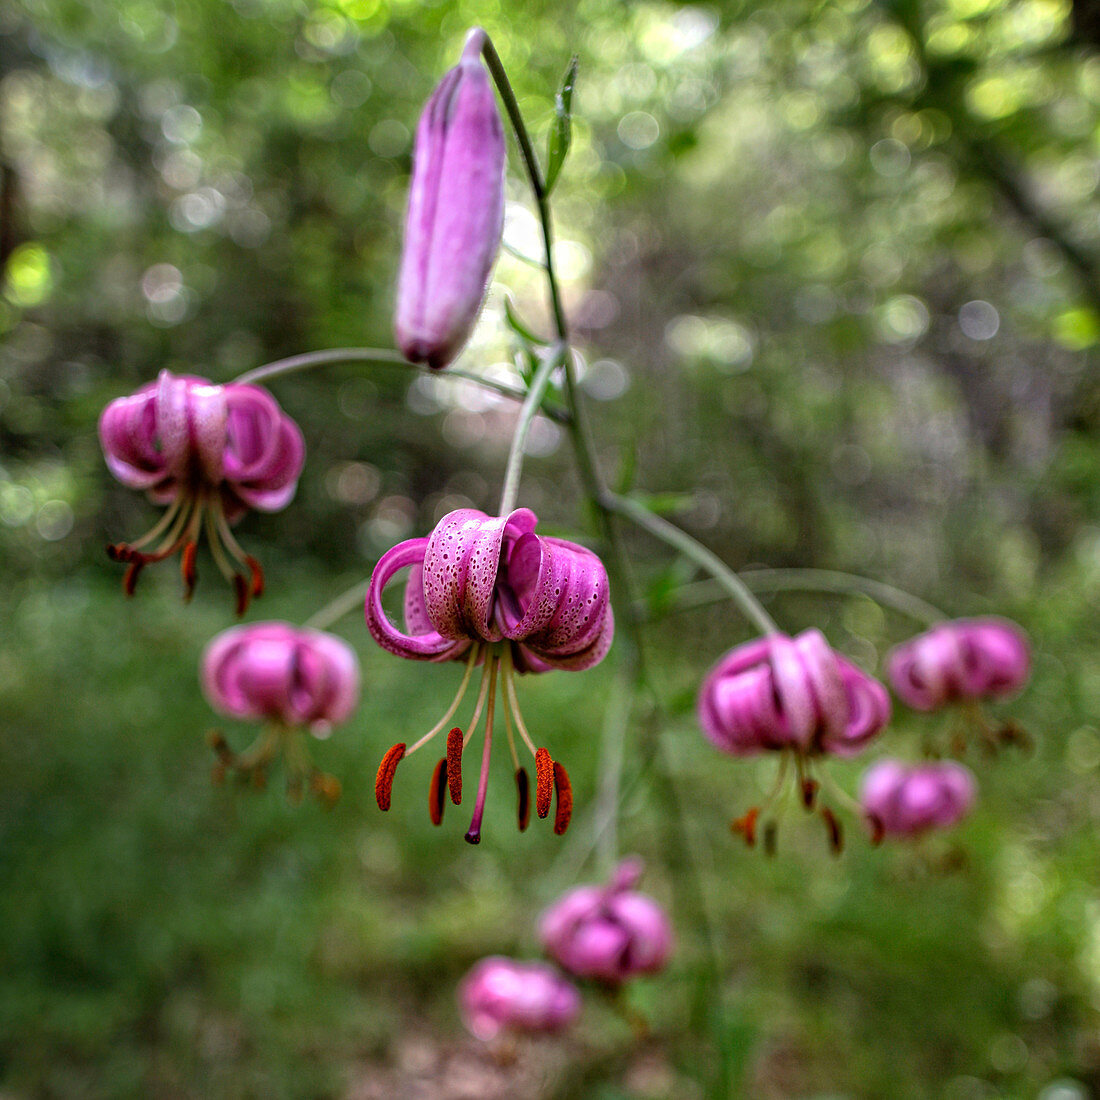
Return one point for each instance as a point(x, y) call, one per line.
point(609, 932)
point(501, 995)
point(289, 678)
point(795, 696)
point(487, 589)
point(210, 453)
point(456, 213)
point(904, 800)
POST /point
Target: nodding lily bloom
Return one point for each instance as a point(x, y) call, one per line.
point(290, 678)
point(488, 590)
point(960, 660)
point(505, 995)
point(904, 800)
point(455, 216)
point(608, 932)
point(210, 453)
point(796, 696)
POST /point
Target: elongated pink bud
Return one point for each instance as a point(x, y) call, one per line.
point(455, 216)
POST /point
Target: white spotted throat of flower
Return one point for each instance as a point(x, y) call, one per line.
point(492, 592)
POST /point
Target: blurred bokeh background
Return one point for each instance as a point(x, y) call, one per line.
point(835, 273)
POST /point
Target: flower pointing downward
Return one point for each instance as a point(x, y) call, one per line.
point(289, 678)
point(796, 696)
point(210, 453)
point(488, 590)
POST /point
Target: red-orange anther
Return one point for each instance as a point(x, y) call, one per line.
point(746, 826)
point(524, 788)
point(454, 765)
point(565, 799)
point(383, 782)
point(437, 792)
point(544, 781)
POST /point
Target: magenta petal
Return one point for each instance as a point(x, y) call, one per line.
point(501, 994)
point(569, 604)
point(461, 565)
point(427, 646)
point(128, 435)
point(277, 671)
point(610, 933)
point(961, 659)
point(191, 426)
point(265, 450)
point(776, 692)
point(906, 800)
point(455, 215)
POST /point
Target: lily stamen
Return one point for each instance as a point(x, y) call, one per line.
point(488, 588)
point(455, 702)
point(210, 453)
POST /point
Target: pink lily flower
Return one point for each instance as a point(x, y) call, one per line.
point(796, 696)
point(291, 679)
point(455, 216)
point(491, 591)
point(904, 800)
point(610, 932)
point(505, 995)
point(959, 660)
point(210, 453)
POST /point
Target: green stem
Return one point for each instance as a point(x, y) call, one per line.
point(696, 552)
point(311, 359)
point(316, 359)
point(534, 174)
point(527, 413)
point(339, 606)
point(845, 584)
point(702, 593)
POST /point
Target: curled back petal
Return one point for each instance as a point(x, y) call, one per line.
point(264, 451)
point(332, 691)
point(128, 435)
point(191, 426)
point(868, 712)
point(461, 567)
point(567, 601)
point(427, 646)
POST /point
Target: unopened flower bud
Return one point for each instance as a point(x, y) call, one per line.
point(455, 216)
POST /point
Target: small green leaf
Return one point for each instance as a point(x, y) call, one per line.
point(519, 326)
point(561, 133)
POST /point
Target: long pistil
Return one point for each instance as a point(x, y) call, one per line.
point(473, 834)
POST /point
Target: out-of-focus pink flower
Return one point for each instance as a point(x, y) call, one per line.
point(210, 453)
point(903, 800)
point(608, 932)
point(796, 696)
point(961, 659)
point(290, 679)
point(491, 591)
point(504, 995)
point(455, 216)
point(791, 693)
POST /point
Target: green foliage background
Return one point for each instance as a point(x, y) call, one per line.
point(833, 267)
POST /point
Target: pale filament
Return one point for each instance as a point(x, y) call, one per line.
point(470, 662)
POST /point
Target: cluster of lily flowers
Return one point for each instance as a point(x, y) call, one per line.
point(489, 591)
point(493, 594)
point(800, 699)
point(602, 934)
